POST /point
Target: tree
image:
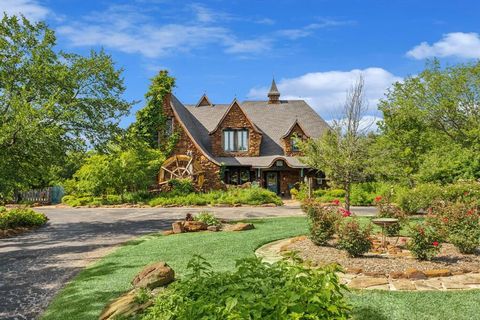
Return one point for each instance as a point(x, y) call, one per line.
point(342, 151)
point(50, 103)
point(150, 121)
point(431, 123)
point(119, 171)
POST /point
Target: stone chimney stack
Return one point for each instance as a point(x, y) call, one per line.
point(273, 94)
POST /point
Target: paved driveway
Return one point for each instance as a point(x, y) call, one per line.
point(34, 266)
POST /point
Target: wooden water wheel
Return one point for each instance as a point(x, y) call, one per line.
point(181, 167)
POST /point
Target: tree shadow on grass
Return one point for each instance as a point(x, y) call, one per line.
point(368, 313)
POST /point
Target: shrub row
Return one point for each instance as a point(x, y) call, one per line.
point(183, 197)
point(21, 218)
point(249, 196)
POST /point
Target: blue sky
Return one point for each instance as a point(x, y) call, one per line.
point(315, 49)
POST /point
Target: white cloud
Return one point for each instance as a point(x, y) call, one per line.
point(127, 29)
point(455, 44)
point(367, 123)
point(29, 8)
point(309, 29)
point(326, 91)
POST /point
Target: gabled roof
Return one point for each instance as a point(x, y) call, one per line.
point(295, 123)
point(232, 105)
point(272, 120)
point(204, 101)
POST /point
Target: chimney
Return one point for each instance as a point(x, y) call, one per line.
point(273, 94)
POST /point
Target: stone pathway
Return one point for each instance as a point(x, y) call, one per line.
point(412, 280)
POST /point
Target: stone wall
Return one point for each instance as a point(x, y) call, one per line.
point(236, 119)
point(287, 145)
point(186, 146)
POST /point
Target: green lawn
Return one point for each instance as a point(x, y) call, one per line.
point(87, 294)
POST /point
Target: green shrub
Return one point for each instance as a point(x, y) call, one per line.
point(250, 196)
point(425, 195)
point(322, 219)
point(388, 210)
point(461, 223)
point(181, 186)
point(2, 209)
point(21, 217)
point(353, 238)
point(425, 242)
point(208, 218)
point(255, 290)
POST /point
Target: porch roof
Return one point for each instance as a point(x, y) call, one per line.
point(261, 162)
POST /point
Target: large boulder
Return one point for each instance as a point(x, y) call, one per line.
point(154, 275)
point(238, 227)
point(177, 227)
point(124, 307)
point(194, 226)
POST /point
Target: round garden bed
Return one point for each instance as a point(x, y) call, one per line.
point(396, 258)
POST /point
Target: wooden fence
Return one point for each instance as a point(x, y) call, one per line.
point(50, 195)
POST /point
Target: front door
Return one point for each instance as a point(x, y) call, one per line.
point(271, 181)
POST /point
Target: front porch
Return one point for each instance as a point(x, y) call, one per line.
point(279, 178)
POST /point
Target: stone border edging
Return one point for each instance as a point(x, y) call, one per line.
point(272, 252)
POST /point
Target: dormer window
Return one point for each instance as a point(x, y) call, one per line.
point(235, 140)
point(294, 143)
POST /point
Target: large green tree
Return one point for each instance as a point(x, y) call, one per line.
point(431, 126)
point(51, 102)
point(150, 123)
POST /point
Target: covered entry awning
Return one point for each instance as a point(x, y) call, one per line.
point(261, 162)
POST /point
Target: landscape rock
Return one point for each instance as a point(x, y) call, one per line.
point(194, 226)
point(239, 227)
point(168, 232)
point(437, 273)
point(154, 275)
point(415, 274)
point(397, 275)
point(354, 270)
point(123, 307)
point(177, 227)
point(403, 284)
point(213, 228)
point(366, 282)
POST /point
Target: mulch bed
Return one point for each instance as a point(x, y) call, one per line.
point(7, 233)
point(449, 258)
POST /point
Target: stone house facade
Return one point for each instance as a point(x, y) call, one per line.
point(250, 141)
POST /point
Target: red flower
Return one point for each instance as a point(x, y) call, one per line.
point(465, 193)
point(421, 231)
point(345, 213)
point(378, 198)
point(445, 219)
point(470, 212)
point(336, 202)
point(435, 243)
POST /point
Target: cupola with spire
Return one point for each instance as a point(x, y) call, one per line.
point(273, 94)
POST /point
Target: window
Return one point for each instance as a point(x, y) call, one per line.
point(294, 143)
point(235, 140)
point(169, 127)
point(238, 176)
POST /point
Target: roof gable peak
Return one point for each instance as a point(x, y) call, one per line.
point(204, 101)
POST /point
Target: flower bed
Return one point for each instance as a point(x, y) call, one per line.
point(19, 220)
point(384, 264)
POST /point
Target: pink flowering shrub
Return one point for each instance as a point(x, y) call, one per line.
point(460, 223)
point(322, 218)
point(354, 238)
point(425, 241)
point(386, 209)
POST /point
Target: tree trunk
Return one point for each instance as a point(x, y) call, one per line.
point(347, 195)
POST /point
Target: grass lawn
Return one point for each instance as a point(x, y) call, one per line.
point(88, 293)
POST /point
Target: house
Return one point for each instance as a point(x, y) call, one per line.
point(249, 141)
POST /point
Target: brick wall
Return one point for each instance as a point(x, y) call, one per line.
point(236, 119)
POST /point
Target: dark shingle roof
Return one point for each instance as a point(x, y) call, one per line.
point(272, 120)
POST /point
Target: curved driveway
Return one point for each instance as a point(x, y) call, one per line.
point(35, 265)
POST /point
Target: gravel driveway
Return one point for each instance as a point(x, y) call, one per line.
point(34, 266)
